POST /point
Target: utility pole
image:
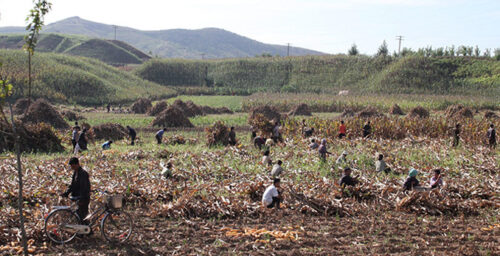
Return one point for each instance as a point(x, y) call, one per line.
point(114, 27)
point(288, 50)
point(399, 38)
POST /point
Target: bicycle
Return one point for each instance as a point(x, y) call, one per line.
point(62, 224)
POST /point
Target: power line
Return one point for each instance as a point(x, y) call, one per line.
point(399, 38)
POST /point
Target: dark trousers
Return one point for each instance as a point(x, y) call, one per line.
point(132, 140)
point(341, 135)
point(83, 209)
point(158, 139)
point(366, 134)
point(276, 202)
point(74, 144)
point(456, 141)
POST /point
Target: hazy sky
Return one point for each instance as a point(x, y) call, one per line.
point(326, 25)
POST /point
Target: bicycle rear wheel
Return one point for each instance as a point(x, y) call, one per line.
point(55, 225)
point(117, 226)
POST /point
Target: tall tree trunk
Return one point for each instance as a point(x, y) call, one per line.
point(29, 78)
point(20, 179)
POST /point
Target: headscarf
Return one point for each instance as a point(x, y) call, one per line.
point(413, 173)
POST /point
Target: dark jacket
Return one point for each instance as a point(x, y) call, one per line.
point(131, 132)
point(80, 185)
point(347, 181)
point(82, 141)
point(410, 183)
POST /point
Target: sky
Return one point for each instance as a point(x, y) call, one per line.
point(330, 26)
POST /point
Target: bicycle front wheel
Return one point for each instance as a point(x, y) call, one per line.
point(55, 226)
point(117, 226)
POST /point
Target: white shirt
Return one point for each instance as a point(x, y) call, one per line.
point(380, 165)
point(269, 142)
point(265, 160)
point(270, 192)
point(277, 170)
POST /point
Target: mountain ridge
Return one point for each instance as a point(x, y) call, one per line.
point(172, 43)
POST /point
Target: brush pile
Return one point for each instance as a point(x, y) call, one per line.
point(71, 115)
point(141, 106)
point(158, 108)
point(490, 115)
point(20, 106)
point(418, 112)
point(458, 111)
point(41, 111)
point(348, 112)
point(368, 112)
point(171, 117)
point(300, 110)
point(34, 138)
point(217, 134)
point(189, 108)
point(269, 112)
point(109, 131)
point(215, 111)
point(396, 110)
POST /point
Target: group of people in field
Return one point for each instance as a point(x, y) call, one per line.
point(272, 195)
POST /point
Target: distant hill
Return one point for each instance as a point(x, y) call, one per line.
point(72, 79)
point(173, 43)
point(109, 51)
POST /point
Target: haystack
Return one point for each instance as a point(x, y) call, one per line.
point(20, 106)
point(158, 108)
point(212, 111)
point(172, 117)
point(34, 138)
point(368, 113)
point(348, 113)
point(109, 131)
point(71, 116)
point(396, 110)
point(490, 115)
point(419, 112)
point(269, 112)
point(41, 111)
point(189, 108)
point(458, 111)
point(141, 106)
point(217, 134)
point(300, 110)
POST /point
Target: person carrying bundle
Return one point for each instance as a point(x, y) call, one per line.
point(272, 197)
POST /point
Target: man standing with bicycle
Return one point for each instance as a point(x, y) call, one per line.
point(79, 188)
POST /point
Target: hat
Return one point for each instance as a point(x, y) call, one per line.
point(413, 173)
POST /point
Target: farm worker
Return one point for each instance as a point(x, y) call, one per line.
point(79, 188)
point(313, 144)
point(456, 135)
point(253, 134)
point(77, 127)
point(342, 158)
point(108, 107)
point(107, 145)
point(266, 159)
point(269, 142)
point(411, 182)
point(259, 141)
point(342, 129)
point(346, 179)
point(309, 132)
point(277, 169)
point(74, 136)
point(167, 170)
point(436, 181)
point(272, 197)
point(322, 150)
point(276, 133)
point(367, 129)
point(81, 145)
point(159, 135)
point(232, 137)
point(380, 165)
point(132, 134)
point(492, 136)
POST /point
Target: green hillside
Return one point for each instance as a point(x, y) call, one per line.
point(71, 79)
point(109, 51)
point(327, 74)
